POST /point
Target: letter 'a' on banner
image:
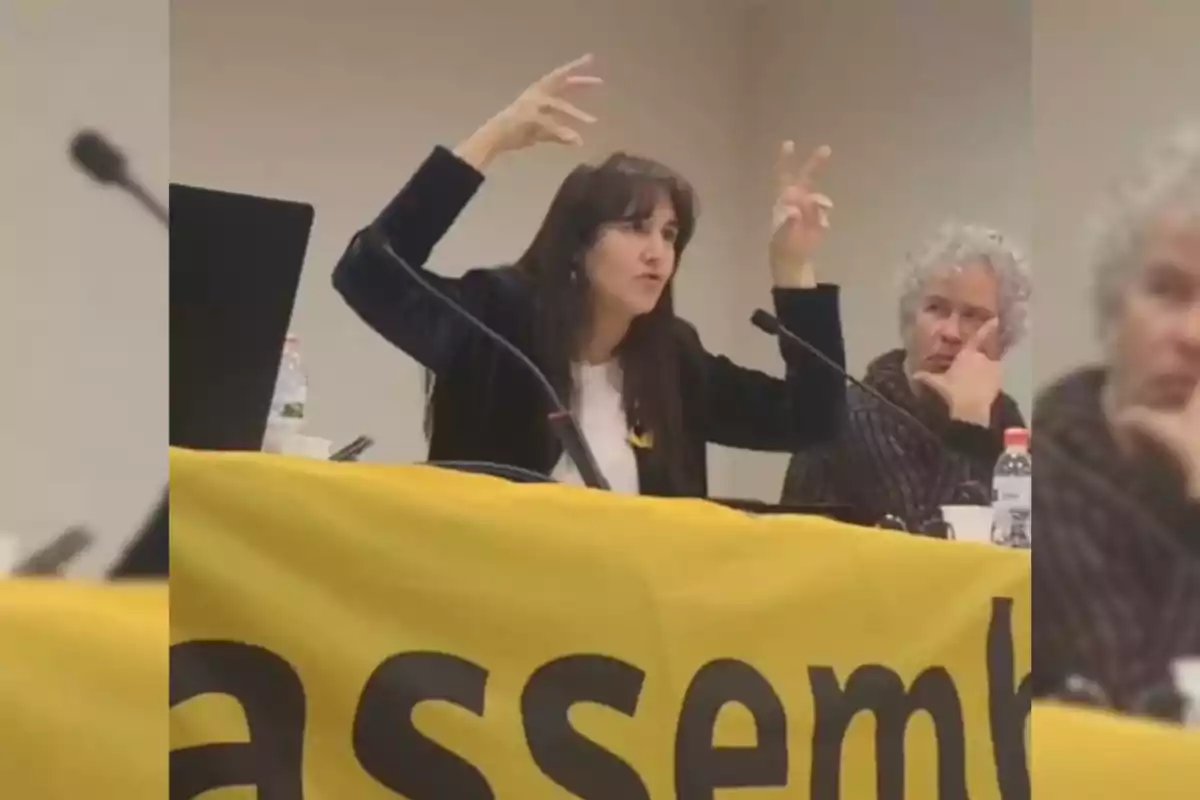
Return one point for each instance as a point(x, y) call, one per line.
point(83, 689)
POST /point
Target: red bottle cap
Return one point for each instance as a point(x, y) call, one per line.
point(1016, 437)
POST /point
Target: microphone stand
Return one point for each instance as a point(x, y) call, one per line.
point(560, 420)
point(55, 557)
point(769, 324)
point(505, 471)
point(971, 491)
point(149, 555)
point(147, 201)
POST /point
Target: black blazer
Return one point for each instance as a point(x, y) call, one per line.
point(485, 405)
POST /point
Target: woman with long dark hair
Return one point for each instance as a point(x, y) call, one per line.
point(590, 302)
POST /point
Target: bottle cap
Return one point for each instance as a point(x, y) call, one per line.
point(1016, 437)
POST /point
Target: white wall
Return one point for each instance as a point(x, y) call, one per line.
point(926, 104)
point(83, 275)
point(336, 102)
point(1109, 79)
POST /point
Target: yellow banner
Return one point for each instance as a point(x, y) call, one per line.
point(360, 632)
point(83, 685)
point(1090, 755)
point(350, 631)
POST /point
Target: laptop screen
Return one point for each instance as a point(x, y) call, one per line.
point(235, 268)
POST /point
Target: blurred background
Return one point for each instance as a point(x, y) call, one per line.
point(1109, 80)
point(83, 273)
point(997, 111)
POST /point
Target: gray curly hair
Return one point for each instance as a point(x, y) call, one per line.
point(1169, 180)
point(956, 244)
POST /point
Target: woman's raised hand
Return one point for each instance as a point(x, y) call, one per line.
point(542, 113)
point(801, 216)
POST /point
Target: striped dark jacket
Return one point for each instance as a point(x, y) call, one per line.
point(1116, 566)
point(882, 463)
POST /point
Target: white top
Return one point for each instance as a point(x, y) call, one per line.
point(601, 417)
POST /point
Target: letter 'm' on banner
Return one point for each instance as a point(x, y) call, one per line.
point(877, 689)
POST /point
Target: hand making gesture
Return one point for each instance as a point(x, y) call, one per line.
point(542, 113)
point(973, 381)
point(1176, 432)
point(801, 217)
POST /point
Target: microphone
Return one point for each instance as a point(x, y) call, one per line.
point(562, 423)
point(149, 554)
point(769, 324)
point(100, 160)
point(506, 471)
point(57, 555)
point(352, 451)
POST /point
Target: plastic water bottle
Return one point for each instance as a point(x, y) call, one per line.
point(1012, 492)
point(286, 417)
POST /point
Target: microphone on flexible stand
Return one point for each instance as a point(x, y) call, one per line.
point(506, 471)
point(971, 492)
point(149, 555)
point(769, 324)
point(107, 165)
point(562, 423)
point(352, 451)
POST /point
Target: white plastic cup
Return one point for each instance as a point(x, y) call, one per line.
point(1186, 672)
point(969, 523)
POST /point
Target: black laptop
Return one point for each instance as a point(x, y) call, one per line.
point(235, 267)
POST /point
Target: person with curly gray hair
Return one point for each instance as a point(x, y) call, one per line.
point(1116, 580)
point(963, 305)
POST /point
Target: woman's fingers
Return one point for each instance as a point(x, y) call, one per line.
point(555, 131)
point(560, 106)
point(785, 167)
point(815, 161)
point(557, 118)
point(798, 196)
point(582, 80)
point(556, 78)
point(789, 177)
point(811, 208)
